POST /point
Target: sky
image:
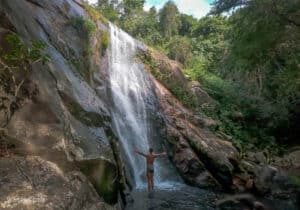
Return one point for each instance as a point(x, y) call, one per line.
point(197, 8)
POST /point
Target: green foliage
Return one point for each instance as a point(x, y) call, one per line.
point(107, 8)
point(248, 61)
point(188, 24)
point(19, 56)
point(263, 58)
point(220, 6)
point(180, 92)
point(232, 110)
point(184, 95)
point(95, 14)
point(169, 20)
point(103, 175)
point(85, 27)
point(180, 49)
point(131, 16)
point(211, 26)
point(132, 7)
point(19, 51)
point(16, 61)
point(103, 42)
point(295, 180)
point(147, 28)
point(209, 41)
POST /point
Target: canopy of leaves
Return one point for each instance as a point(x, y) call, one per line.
point(169, 20)
point(247, 60)
point(180, 49)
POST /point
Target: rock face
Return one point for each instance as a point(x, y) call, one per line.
point(202, 97)
point(201, 157)
point(35, 183)
point(278, 178)
point(64, 123)
point(172, 69)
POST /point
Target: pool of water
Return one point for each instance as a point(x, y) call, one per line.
point(181, 197)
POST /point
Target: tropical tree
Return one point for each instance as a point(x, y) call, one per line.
point(169, 20)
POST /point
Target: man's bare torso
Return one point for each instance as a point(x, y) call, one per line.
point(150, 159)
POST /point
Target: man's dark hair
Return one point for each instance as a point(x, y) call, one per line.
point(150, 150)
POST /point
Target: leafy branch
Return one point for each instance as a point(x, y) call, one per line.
point(15, 67)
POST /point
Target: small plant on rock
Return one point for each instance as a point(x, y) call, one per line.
point(15, 68)
point(85, 27)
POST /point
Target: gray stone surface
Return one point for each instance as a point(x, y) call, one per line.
point(65, 124)
point(199, 155)
point(34, 183)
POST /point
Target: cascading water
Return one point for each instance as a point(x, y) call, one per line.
point(133, 96)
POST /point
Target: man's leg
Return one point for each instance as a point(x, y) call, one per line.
point(149, 181)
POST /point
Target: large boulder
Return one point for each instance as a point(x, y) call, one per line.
point(279, 179)
point(202, 97)
point(170, 69)
point(290, 162)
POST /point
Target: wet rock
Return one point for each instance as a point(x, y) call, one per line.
point(183, 134)
point(258, 206)
point(257, 157)
point(274, 181)
point(104, 177)
point(264, 178)
point(245, 201)
point(290, 162)
point(193, 170)
point(249, 184)
point(247, 166)
point(234, 202)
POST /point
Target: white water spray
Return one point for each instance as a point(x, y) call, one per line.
point(133, 96)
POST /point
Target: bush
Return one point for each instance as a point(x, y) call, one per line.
point(105, 38)
point(241, 115)
point(180, 49)
point(95, 14)
point(15, 67)
point(19, 57)
point(85, 27)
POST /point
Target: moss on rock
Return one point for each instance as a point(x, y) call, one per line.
point(95, 14)
point(104, 177)
point(105, 39)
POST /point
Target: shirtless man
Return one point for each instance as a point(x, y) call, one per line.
point(150, 169)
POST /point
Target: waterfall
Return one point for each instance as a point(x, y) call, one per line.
point(133, 96)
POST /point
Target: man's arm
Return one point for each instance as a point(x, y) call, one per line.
point(160, 154)
point(140, 153)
